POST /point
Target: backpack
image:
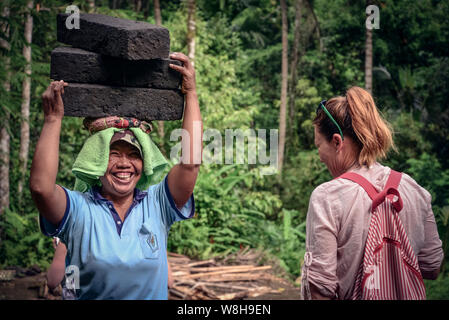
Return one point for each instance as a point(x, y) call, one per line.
point(389, 269)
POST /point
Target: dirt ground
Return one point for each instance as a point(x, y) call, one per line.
point(284, 290)
point(25, 288)
point(28, 285)
point(34, 288)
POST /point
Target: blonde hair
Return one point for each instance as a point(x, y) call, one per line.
point(358, 117)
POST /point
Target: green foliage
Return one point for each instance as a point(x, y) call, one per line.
point(302, 175)
point(442, 220)
point(230, 215)
point(23, 245)
point(306, 102)
point(428, 172)
point(437, 289)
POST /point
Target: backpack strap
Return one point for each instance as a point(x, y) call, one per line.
point(394, 179)
point(391, 190)
point(365, 184)
point(378, 197)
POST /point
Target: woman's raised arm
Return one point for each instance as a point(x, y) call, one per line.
point(182, 177)
point(49, 198)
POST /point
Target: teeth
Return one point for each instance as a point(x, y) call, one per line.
point(124, 176)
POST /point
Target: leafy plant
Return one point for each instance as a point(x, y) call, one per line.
point(23, 244)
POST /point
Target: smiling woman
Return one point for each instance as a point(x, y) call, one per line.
point(115, 223)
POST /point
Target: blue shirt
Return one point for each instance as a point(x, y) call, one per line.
point(119, 260)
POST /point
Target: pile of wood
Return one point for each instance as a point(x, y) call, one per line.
point(217, 280)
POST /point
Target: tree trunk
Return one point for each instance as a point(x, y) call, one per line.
point(294, 65)
point(4, 133)
point(317, 24)
point(138, 5)
point(191, 29)
point(90, 6)
point(26, 92)
point(284, 82)
point(157, 13)
point(369, 60)
point(160, 124)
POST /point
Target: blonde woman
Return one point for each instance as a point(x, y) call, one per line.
point(351, 136)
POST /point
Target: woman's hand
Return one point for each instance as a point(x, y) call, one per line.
point(52, 100)
point(187, 71)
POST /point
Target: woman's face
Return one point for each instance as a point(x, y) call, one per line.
point(328, 153)
point(123, 172)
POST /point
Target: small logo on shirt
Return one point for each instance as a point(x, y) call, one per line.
point(152, 241)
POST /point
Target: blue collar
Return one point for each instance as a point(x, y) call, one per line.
point(138, 196)
point(96, 195)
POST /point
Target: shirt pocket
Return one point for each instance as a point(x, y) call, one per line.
point(149, 242)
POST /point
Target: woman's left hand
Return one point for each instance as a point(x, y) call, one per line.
point(187, 71)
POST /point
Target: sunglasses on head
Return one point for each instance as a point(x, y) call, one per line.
point(322, 106)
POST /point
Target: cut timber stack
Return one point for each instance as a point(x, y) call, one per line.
point(211, 280)
point(117, 67)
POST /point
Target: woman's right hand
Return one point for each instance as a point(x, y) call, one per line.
point(52, 100)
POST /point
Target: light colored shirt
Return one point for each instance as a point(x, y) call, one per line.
point(337, 226)
point(125, 263)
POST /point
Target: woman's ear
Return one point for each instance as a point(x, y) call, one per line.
point(337, 142)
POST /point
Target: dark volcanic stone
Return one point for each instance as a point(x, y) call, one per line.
point(81, 66)
point(78, 65)
point(126, 39)
point(90, 100)
point(153, 73)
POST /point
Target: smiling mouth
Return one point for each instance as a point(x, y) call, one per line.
point(122, 176)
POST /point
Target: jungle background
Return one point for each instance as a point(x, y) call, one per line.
point(260, 64)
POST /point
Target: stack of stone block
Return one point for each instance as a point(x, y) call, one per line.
point(117, 67)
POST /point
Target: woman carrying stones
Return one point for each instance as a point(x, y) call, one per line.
point(115, 226)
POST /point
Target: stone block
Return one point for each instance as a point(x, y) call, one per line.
point(91, 100)
point(121, 38)
point(77, 65)
point(81, 66)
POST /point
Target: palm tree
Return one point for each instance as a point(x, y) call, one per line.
point(284, 82)
point(369, 57)
point(160, 124)
point(26, 93)
point(294, 64)
point(191, 29)
point(4, 133)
